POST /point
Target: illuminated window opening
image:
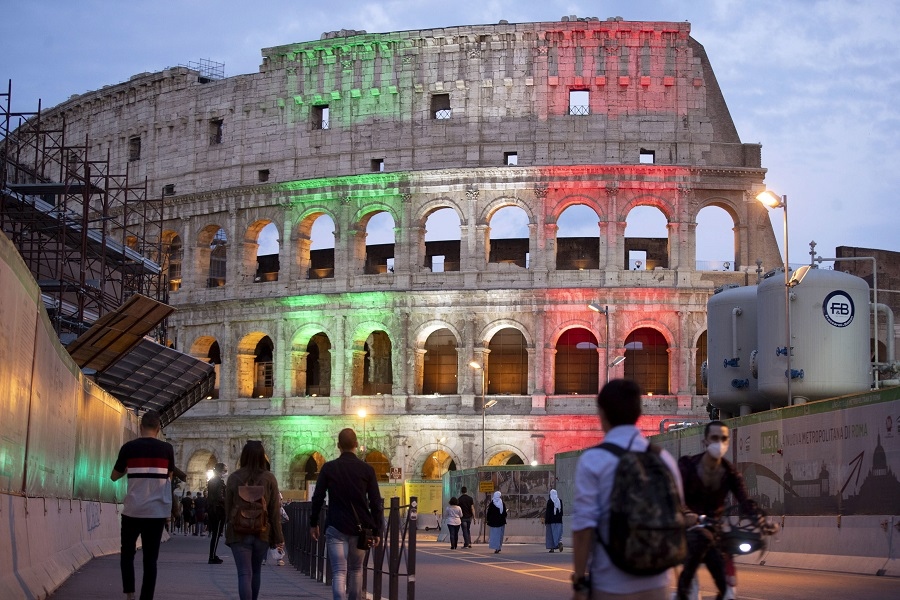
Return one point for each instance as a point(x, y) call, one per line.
point(647, 360)
point(320, 116)
point(441, 364)
point(318, 366)
point(508, 365)
point(577, 363)
point(698, 365)
point(440, 106)
point(579, 102)
point(174, 254)
point(264, 380)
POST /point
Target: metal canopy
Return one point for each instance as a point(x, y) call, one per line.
point(164, 379)
point(139, 372)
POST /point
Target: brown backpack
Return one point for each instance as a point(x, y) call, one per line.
point(250, 515)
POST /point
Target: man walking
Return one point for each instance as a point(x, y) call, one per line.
point(216, 510)
point(467, 504)
point(354, 507)
point(149, 464)
point(619, 406)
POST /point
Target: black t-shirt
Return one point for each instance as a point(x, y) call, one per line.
point(467, 504)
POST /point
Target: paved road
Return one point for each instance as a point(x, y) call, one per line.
point(519, 572)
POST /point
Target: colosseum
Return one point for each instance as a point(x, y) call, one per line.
point(448, 342)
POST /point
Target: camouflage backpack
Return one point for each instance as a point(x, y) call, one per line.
point(646, 525)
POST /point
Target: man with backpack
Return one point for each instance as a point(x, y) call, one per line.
point(627, 524)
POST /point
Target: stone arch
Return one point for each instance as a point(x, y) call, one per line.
point(212, 254)
point(372, 360)
point(201, 461)
point(576, 360)
point(309, 263)
point(380, 462)
point(251, 266)
point(447, 454)
point(489, 330)
point(645, 199)
point(304, 468)
point(489, 209)
point(500, 453)
point(649, 364)
point(569, 201)
point(424, 210)
point(255, 367)
point(207, 347)
point(312, 360)
point(438, 255)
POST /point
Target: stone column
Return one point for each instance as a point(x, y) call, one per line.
point(356, 359)
point(551, 247)
point(298, 376)
point(245, 374)
point(418, 372)
point(549, 374)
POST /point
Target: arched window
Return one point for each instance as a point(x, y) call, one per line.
point(508, 363)
point(377, 368)
point(441, 363)
point(380, 463)
point(577, 239)
point(647, 360)
point(698, 365)
point(218, 259)
point(263, 385)
point(318, 366)
point(576, 363)
point(509, 237)
point(174, 252)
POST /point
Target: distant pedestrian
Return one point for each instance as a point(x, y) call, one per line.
point(215, 507)
point(199, 513)
point(254, 517)
point(467, 505)
point(495, 517)
point(453, 519)
point(149, 463)
point(187, 512)
point(553, 518)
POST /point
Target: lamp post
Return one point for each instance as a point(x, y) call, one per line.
point(361, 413)
point(479, 367)
point(773, 200)
point(605, 311)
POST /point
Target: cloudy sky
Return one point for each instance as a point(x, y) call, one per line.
point(816, 82)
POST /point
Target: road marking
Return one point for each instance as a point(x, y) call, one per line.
point(510, 565)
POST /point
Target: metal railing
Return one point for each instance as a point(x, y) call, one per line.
point(398, 542)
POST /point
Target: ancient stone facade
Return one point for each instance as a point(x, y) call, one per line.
point(610, 115)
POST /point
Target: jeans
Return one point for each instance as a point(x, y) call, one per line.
point(454, 535)
point(702, 548)
point(248, 557)
point(467, 531)
point(346, 565)
point(150, 531)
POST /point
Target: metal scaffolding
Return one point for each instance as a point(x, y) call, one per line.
point(90, 236)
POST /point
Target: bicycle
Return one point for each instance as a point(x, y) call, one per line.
point(737, 533)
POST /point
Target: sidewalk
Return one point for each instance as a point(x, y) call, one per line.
point(184, 573)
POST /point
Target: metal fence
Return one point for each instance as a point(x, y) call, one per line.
point(386, 561)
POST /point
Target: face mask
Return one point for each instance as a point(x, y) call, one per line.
point(717, 449)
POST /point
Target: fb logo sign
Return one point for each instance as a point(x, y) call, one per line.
point(838, 308)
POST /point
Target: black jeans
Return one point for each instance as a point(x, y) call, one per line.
point(454, 535)
point(150, 531)
point(702, 549)
point(467, 531)
point(216, 527)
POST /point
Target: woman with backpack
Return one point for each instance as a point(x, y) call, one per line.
point(496, 520)
point(553, 518)
point(254, 517)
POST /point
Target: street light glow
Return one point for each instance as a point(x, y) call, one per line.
point(770, 199)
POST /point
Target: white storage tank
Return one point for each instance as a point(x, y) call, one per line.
point(730, 339)
point(830, 327)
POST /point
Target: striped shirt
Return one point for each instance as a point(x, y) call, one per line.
point(148, 463)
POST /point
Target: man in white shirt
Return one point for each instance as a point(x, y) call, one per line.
point(619, 406)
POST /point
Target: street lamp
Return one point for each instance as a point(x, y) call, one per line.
point(605, 311)
point(773, 200)
point(484, 405)
point(361, 413)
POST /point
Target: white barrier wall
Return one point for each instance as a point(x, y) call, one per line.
point(59, 435)
point(828, 471)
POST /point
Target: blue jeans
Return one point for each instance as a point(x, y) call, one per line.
point(248, 557)
point(346, 565)
point(467, 531)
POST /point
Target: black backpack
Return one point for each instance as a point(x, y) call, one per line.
point(646, 524)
